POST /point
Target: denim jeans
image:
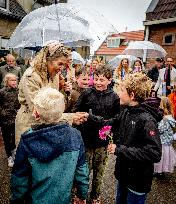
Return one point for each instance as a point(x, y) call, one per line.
point(125, 196)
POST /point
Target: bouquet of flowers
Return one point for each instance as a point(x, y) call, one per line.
point(105, 133)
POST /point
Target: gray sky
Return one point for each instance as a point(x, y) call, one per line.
point(122, 14)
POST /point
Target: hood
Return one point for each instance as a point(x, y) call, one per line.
point(152, 106)
point(47, 143)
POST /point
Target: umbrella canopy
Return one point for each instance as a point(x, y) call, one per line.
point(145, 49)
point(76, 58)
point(54, 22)
point(116, 60)
point(70, 23)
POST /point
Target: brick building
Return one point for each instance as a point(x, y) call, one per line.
point(115, 44)
point(160, 25)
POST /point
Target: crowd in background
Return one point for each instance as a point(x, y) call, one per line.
point(93, 96)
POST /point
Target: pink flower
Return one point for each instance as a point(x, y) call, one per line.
point(105, 133)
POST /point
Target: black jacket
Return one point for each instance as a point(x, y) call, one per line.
point(105, 104)
point(153, 74)
point(9, 105)
point(138, 146)
point(138, 143)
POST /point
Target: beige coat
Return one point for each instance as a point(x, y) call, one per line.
point(30, 83)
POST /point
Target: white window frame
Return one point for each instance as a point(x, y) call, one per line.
point(7, 6)
point(112, 42)
point(4, 42)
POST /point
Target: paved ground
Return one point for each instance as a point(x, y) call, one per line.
point(163, 192)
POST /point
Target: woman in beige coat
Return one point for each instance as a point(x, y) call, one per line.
point(44, 71)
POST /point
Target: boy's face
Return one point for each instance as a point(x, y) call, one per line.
point(125, 98)
point(101, 82)
point(12, 82)
point(83, 81)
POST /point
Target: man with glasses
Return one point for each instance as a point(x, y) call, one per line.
point(166, 79)
point(10, 67)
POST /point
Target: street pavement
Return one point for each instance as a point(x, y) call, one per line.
point(163, 191)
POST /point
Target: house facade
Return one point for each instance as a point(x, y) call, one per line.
point(160, 25)
point(13, 11)
point(115, 44)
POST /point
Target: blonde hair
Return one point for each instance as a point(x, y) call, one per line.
point(166, 105)
point(50, 104)
point(139, 84)
point(47, 54)
point(7, 77)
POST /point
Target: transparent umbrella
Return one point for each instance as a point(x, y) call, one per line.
point(116, 60)
point(145, 49)
point(54, 22)
point(70, 23)
point(76, 58)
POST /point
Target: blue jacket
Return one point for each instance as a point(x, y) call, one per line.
point(47, 161)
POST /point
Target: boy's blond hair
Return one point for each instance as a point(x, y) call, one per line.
point(50, 105)
point(7, 77)
point(139, 84)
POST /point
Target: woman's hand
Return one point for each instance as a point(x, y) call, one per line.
point(68, 87)
point(80, 117)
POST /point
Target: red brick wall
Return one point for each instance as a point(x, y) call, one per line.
point(157, 33)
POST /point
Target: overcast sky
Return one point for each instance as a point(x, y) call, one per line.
point(122, 14)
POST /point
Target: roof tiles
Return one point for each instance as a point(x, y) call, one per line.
point(163, 10)
point(15, 10)
point(127, 36)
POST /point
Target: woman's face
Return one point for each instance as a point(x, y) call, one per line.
point(125, 63)
point(57, 65)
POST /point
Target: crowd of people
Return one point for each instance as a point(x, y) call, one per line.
point(52, 112)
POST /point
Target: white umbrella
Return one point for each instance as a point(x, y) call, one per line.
point(55, 22)
point(76, 58)
point(69, 23)
point(116, 60)
point(145, 49)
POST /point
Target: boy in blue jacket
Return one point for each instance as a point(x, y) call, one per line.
point(49, 157)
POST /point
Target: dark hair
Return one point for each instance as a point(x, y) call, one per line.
point(81, 71)
point(104, 70)
point(138, 60)
point(159, 60)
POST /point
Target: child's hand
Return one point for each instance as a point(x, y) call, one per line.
point(111, 148)
point(79, 201)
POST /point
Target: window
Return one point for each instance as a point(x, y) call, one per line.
point(168, 39)
point(3, 4)
point(113, 42)
point(4, 42)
